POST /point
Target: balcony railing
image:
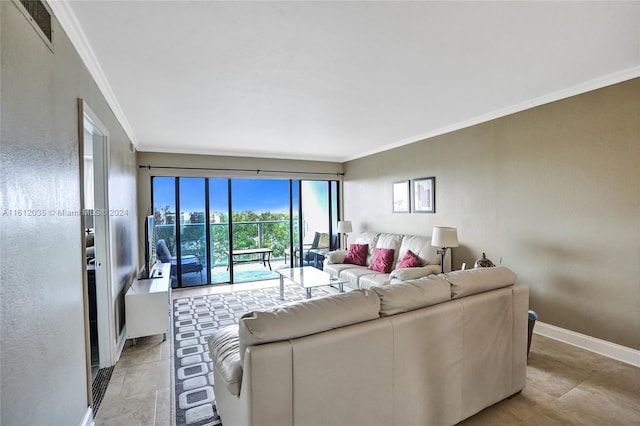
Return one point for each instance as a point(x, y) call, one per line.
point(251, 234)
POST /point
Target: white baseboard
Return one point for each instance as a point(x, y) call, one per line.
point(602, 347)
point(122, 339)
point(87, 420)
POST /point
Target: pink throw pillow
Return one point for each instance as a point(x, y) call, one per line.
point(382, 260)
point(357, 254)
point(410, 260)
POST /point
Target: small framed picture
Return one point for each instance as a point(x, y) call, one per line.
point(401, 197)
point(424, 195)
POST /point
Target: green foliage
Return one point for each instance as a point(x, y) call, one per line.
point(168, 234)
point(219, 244)
point(250, 230)
point(193, 239)
point(266, 229)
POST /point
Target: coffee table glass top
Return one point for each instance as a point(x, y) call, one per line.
point(307, 277)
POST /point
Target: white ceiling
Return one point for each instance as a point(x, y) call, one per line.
point(339, 80)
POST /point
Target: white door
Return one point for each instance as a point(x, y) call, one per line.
point(96, 139)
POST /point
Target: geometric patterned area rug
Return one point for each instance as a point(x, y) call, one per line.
point(194, 320)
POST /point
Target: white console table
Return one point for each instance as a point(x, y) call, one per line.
point(147, 304)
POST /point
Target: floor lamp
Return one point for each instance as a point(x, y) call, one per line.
point(344, 227)
point(444, 237)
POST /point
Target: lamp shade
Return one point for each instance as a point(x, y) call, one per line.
point(344, 227)
point(444, 236)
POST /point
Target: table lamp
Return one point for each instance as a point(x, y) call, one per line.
point(344, 227)
point(444, 237)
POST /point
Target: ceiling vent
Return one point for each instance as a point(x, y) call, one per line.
point(39, 15)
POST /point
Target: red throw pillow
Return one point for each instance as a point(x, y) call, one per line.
point(410, 260)
point(382, 260)
point(357, 254)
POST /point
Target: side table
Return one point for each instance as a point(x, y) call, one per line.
point(147, 305)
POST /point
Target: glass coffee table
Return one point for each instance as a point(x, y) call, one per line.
point(307, 277)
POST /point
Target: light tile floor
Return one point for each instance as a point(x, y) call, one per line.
point(565, 385)
point(140, 391)
point(569, 386)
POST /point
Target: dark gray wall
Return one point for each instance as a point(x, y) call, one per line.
point(43, 358)
point(553, 191)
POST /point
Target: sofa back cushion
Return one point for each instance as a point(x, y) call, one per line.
point(479, 280)
point(421, 247)
point(369, 238)
point(307, 317)
point(414, 294)
point(390, 241)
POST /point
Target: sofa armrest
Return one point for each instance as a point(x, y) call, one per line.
point(336, 256)
point(224, 348)
point(404, 274)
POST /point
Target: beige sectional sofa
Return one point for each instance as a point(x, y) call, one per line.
point(428, 351)
point(357, 276)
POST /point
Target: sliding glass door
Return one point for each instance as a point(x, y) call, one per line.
point(318, 224)
point(219, 230)
point(292, 258)
point(192, 247)
point(219, 223)
point(260, 220)
point(163, 194)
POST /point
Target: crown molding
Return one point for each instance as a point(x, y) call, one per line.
point(69, 22)
point(578, 89)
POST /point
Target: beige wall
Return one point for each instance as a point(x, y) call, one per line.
point(43, 359)
point(553, 192)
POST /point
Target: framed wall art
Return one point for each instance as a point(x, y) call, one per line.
point(401, 197)
point(424, 195)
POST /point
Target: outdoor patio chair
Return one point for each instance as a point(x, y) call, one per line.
point(188, 263)
point(320, 242)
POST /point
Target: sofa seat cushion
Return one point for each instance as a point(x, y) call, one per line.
point(414, 294)
point(225, 353)
point(335, 269)
point(374, 280)
point(479, 280)
point(352, 275)
point(307, 317)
